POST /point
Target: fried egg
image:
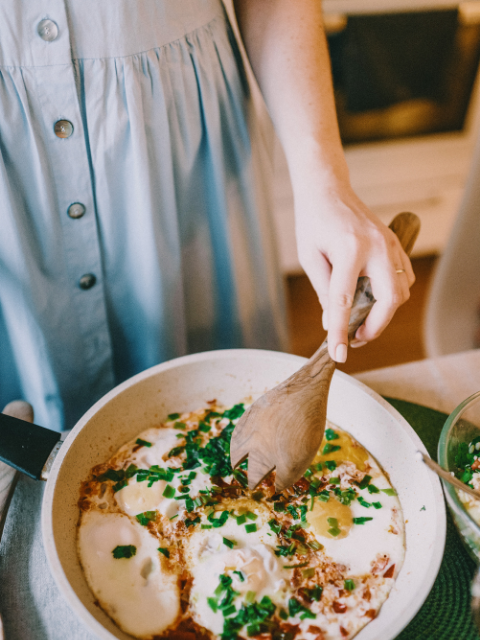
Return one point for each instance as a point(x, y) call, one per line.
point(315, 562)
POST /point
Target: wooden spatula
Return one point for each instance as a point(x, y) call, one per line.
point(284, 428)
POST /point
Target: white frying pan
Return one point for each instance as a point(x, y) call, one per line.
point(229, 376)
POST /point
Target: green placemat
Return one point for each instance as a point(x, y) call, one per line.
point(445, 614)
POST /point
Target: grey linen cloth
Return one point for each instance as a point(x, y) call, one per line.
point(31, 604)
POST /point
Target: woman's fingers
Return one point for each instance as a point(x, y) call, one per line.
point(390, 289)
point(343, 283)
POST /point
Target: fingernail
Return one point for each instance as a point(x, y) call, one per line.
point(341, 353)
point(357, 343)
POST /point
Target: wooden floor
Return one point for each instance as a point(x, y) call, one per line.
point(400, 342)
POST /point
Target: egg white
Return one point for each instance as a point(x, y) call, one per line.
point(138, 593)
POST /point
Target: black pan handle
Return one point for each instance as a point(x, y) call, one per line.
point(26, 446)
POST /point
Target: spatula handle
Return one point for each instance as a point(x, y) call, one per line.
point(406, 226)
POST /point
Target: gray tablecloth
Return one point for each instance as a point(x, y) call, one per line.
point(31, 605)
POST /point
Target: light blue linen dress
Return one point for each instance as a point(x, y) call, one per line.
point(168, 248)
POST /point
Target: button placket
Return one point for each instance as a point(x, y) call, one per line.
point(69, 159)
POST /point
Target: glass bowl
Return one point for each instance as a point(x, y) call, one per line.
point(462, 425)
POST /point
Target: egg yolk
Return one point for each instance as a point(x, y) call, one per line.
point(350, 451)
point(322, 511)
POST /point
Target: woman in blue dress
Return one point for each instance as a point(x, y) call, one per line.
point(134, 222)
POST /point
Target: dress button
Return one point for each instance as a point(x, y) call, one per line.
point(47, 30)
point(63, 128)
point(87, 281)
point(76, 210)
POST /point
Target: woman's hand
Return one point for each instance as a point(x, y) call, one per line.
point(338, 240)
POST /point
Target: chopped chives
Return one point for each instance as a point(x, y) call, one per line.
point(229, 543)
point(364, 503)
point(295, 566)
point(250, 528)
point(251, 516)
point(279, 506)
point(333, 522)
point(250, 596)
point(361, 520)
point(143, 443)
point(334, 531)
point(240, 575)
point(173, 416)
point(308, 573)
point(364, 483)
point(212, 603)
point(229, 611)
point(389, 492)
point(206, 526)
point(165, 551)
point(373, 489)
point(241, 519)
point(330, 448)
point(377, 505)
point(334, 481)
point(146, 517)
point(124, 551)
point(283, 614)
point(169, 491)
point(331, 465)
point(331, 435)
point(316, 546)
point(275, 526)
point(349, 585)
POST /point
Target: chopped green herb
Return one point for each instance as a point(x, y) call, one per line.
point(146, 517)
point(346, 496)
point(241, 519)
point(205, 428)
point(279, 507)
point(212, 603)
point(240, 575)
point(190, 523)
point(324, 495)
point(124, 551)
point(349, 585)
point(119, 485)
point(330, 448)
point(218, 522)
point(423, 508)
point(180, 425)
point(143, 443)
point(241, 477)
point(228, 611)
point(250, 528)
point(112, 474)
point(331, 465)
point(285, 551)
point(334, 481)
point(176, 451)
point(165, 551)
point(316, 592)
point(173, 517)
point(308, 573)
point(331, 435)
point(377, 505)
point(258, 495)
point(173, 416)
point(251, 516)
point(316, 546)
point(361, 520)
point(334, 531)
point(229, 543)
point(206, 526)
point(275, 526)
point(250, 596)
point(283, 614)
point(373, 489)
point(295, 607)
point(389, 492)
point(295, 566)
point(235, 412)
point(364, 503)
point(364, 483)
point(169, 491)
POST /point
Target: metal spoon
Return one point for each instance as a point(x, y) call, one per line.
point(440, 471)
point(284, 428)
